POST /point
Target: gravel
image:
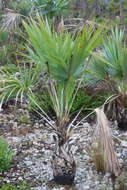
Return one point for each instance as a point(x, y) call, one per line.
point(33, 145)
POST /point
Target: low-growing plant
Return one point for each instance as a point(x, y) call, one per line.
point(24, 118)
point(3, 37)
point(19, 84)
point(65, 58)
point(122, 182)
point(51, 8)
point(83, 102)
point(22, 186)
point(6, 155)
point(86, 102)
point(8, 187)
point(41, 97)
point(109, 65)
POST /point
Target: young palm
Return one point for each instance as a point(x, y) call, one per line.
point(110, 66)
point(63, 56)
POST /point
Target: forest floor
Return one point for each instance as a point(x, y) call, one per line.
point(33, 145)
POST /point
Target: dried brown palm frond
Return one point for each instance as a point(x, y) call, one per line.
point(61, 27)
point(103, 151)
point(11, 20)
point(74, 24)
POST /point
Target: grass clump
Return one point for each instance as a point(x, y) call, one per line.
point(122, 182)
point(23, 186)
point(6, 155)
point(8, 187)
point(86, 102)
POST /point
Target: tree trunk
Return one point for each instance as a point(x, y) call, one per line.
point(83, 4)
point(4, 3)
point(81, 8)
point(121, 14)
point(106, 2)
point(1, 5)
point(117, 110)
point(121, 113)
point(63, 164)
point(97, 8)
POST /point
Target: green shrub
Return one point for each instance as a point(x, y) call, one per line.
point(23, 186)
point(6, 155)
point(7, 54)
point(86, 102)
point(18, 85)
point(51, 8)
point(42, 100)
point(82, 100)
point(3, 37)
point(8, 187)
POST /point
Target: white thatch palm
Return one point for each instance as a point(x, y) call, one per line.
point(63, 56)
point(110, 66)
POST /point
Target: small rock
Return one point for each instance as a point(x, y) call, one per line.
point(20, 178)
point(28, 163)
point(83, 187)
point(124, 143)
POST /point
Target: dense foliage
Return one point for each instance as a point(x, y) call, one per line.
point(54, 57)
point(6, 155)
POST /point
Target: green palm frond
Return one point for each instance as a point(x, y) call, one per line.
point(64, 56)
point(51, 8)
point(114, 51)
point(98, 68)
point(62, 51)
point(110, 62)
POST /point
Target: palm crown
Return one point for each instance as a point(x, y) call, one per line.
point(63, 55)
point(110, 63)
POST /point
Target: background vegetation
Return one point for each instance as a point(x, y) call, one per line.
point(61, 58)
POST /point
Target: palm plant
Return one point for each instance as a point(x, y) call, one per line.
point(19, 10)
point(110, 66)
point(18, 84)
point(15, 13)
point(64, 57)
point(51, 8)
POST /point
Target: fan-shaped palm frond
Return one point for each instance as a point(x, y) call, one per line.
point(51, 8)
point(64, 56)
point(11, 20)
point(110, 65)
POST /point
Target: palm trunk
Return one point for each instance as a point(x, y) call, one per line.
point(5, 4)
point(63, 164)
point(121, 113)
point(121, 13)
point(117, 110)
